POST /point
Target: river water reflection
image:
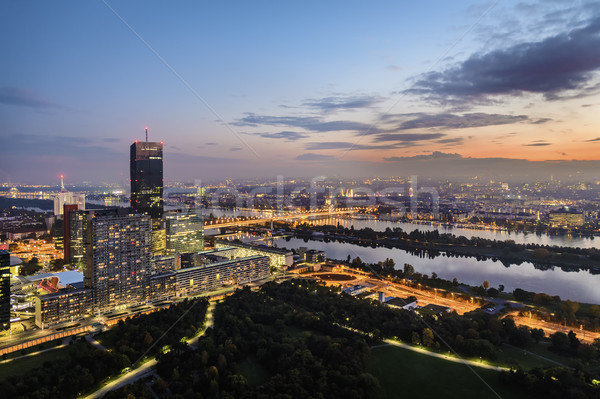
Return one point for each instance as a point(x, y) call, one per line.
point(579, 286)
point(381, 225)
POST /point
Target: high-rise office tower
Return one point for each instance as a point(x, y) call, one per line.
point(75, 225)
point(146, 173)
point(184, 231)
point(4, 290)
point(117, 253)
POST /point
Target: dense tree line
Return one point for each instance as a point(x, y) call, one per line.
point(314, 342)
point(311, 341)
point(134, 336)
point(303, 354)
point(553, 383)
point(85, 368)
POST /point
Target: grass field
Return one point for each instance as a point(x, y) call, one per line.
point(404, 373)
point(23, 365)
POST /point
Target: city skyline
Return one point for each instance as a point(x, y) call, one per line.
point(264, 89)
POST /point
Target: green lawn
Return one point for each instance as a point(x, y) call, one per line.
point(528, 361)
point(254, 372)
point(23, 365)
point(407, 374)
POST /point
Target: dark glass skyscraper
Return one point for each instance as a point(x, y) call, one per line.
point(146, 172)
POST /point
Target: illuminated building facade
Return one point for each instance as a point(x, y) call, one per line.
point(68, 198)
point(566, 218)
point(75, 235)
point(4, 290)
point(117, 251)
point(65, 305)
point(212, 276)
point(280, 258)
point(184, 231)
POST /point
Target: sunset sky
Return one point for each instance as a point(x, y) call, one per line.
point(241, 89)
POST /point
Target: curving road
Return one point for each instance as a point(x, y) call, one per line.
point(147, 368)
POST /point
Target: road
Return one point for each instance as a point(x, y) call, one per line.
point(549, 328)
point(147, 368)
point(445, 357)
point(424, 297)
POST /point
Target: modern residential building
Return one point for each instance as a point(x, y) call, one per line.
point(117, 254)
point(146, 173)
point(315, 256)
point(212, 276)
point(65, 305)
point(162, 264)
point(280, 258)
point(4, 290)
point(161, 286)
point(184, 231)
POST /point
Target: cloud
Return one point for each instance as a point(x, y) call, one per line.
point(236, 149)
point(408, 137)
point(454, 141)
point(328, 104)
point(538, 144)
point(542, 120)
point(453, 121)
point(309, 123)
point(19, 96)
point(436, 155)
point(285, 135)
point(314, 157)
point(558, 66)
point(210, 143)
point(338, 145)
point(596, 139)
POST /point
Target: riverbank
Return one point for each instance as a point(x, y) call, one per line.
point(433, 244)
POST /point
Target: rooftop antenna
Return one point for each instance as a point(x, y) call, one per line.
point(146, 134)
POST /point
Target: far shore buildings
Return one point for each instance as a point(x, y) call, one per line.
point(566, 217)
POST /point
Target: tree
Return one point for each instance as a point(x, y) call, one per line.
point(537, 334)
point(409, 270)
point(571, 307)
point(428, 337)
point(486, 284)
point(501, 288)
point(148, 339)
point(541, 253)
point(573, 340)
point(594, 311)
point(416, 340)
point(560, 341)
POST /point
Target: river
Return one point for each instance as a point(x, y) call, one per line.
point(564, 240)
point(578, 286)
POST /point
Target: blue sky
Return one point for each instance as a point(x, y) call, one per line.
point(245, 89)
